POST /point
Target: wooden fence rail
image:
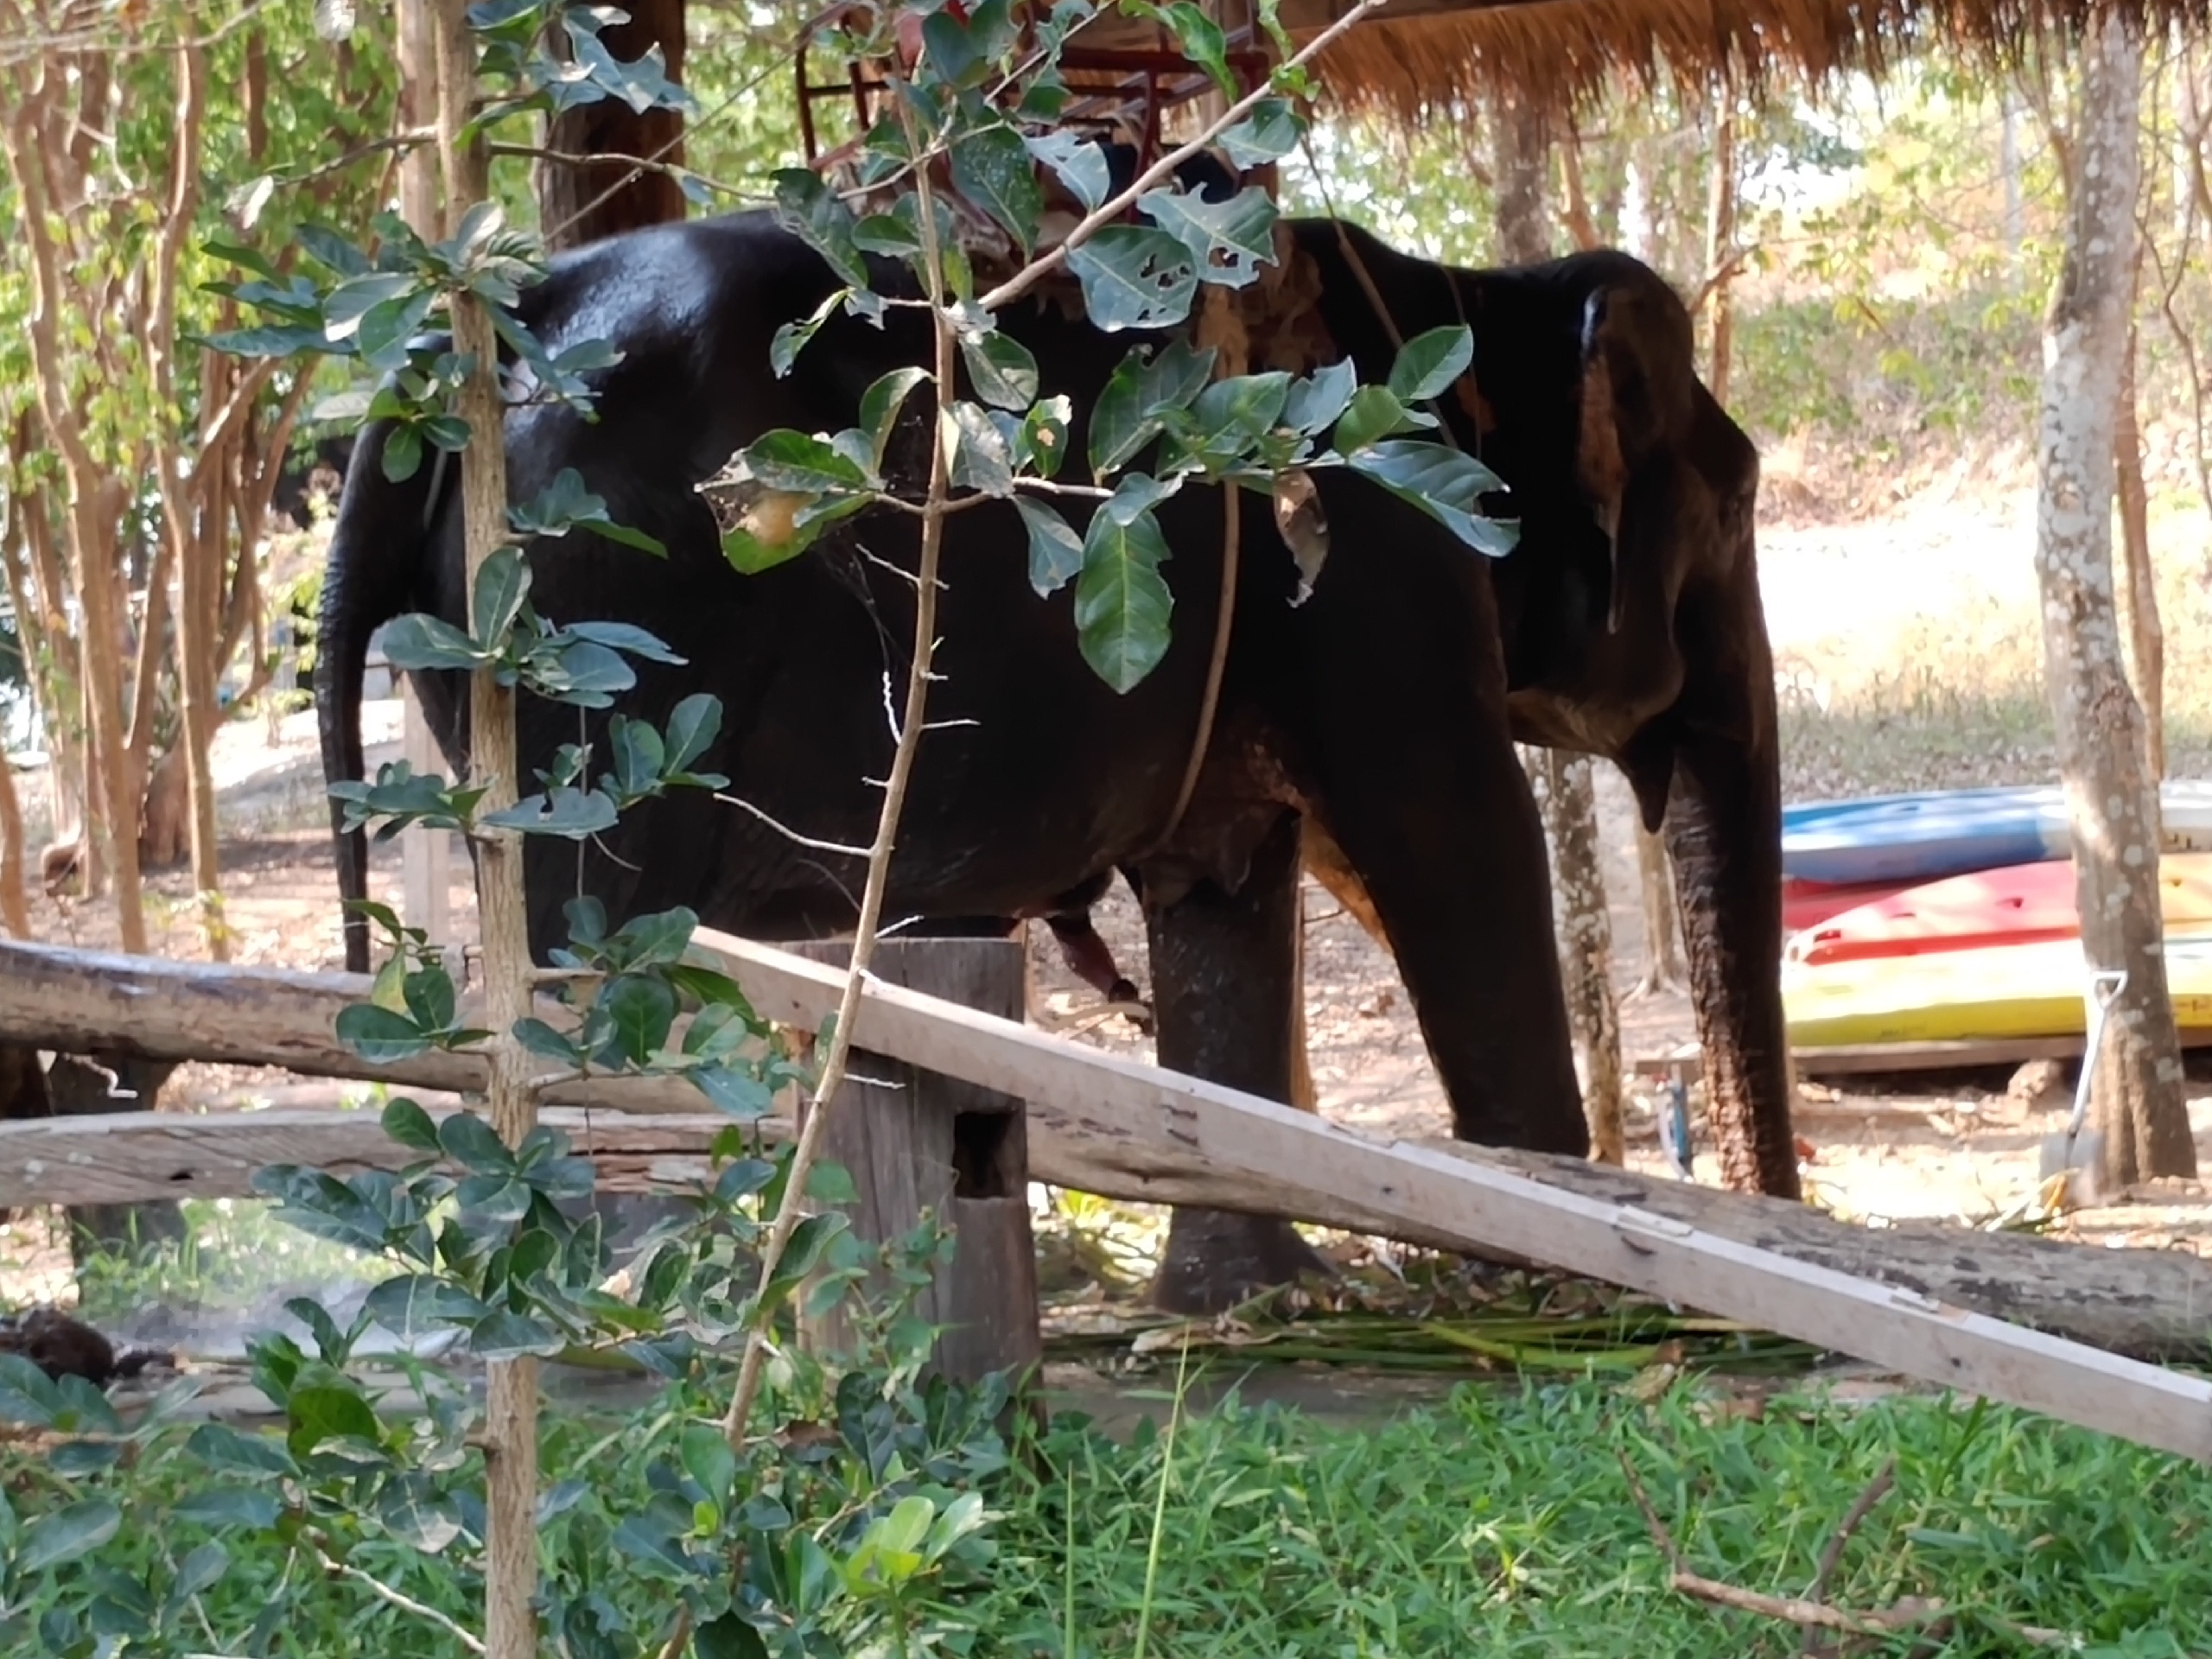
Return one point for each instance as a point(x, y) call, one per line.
point(1101, 1123)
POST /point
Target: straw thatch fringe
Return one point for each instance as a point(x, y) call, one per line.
point(1564, 55)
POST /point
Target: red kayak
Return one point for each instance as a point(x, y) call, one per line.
point(1807, 904)
point(2022, 903)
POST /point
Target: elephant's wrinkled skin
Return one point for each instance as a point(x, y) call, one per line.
point(1380, 706)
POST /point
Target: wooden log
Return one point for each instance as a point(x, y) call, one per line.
point(1139, 1116)
point(87, 1001)
point(917, 1142)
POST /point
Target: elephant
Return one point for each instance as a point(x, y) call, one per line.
point(1382, 709)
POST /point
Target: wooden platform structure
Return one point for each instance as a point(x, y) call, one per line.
point(1932, 1303)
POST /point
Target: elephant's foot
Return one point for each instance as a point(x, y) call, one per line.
point(1217, 1258)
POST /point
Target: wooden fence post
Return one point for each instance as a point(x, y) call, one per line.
point(423, 853)
point(916, 1142)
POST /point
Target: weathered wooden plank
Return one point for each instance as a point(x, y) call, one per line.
point(1140, 1110)
point(131, 1156)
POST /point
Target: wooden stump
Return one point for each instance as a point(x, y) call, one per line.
point(915, 1141)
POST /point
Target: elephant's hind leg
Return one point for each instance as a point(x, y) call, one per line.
point(1225, 981)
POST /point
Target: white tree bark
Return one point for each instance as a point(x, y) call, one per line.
point(2100, 725)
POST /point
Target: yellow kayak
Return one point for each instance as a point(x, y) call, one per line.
point(1999, 991)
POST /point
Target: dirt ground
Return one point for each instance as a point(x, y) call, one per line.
point(1960, 1146)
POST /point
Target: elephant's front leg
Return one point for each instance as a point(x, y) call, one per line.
point(1225, 983)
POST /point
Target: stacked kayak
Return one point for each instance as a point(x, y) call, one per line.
point(1988, 994)
point(1950, 916)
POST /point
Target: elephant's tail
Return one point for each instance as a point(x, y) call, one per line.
point(377, 551)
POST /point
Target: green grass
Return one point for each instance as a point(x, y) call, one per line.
point(1497, 1523)
point(233, 1255)
point(1502, 1523)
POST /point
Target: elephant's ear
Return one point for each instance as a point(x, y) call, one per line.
point(1601, 470)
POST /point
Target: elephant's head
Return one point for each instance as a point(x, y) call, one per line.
point(1633, 628)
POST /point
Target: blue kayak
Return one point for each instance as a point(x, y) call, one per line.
point(1927, 836)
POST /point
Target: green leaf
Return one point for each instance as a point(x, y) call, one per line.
point(1055, 551)
point(881, 403)
point(709, 1461)
point(886, 234)
point(65, 1534)
point(638, 1011)
point(378, 1035)
point(1079, 164)
point(322, 1412)
point(357, 296)
point(810, 1240)
point(1042, 444)
point(419, 642)
point(1135, 276)
point(27, 1394)
point(1128, 415)
point(1316, 402)
point(409, 1125)
point(1375, 413)
point(565, 504)
point(418, 1515)
point(506, 1335)
point(791, 338)
point(202, 1566)
point(474, 1144)
point(809, 209)
point(692, 726)
point(1429, 363)
point(1270, 132)
point(978, 450)
point(991, 166)
point(429, 995)
point(1202, 43)
point(222, 1448)
point(1004, 371)
point(793, 461)
point(1443, 482)
point(575, 814)
point(229, 1506)
point(411, 1303)
point(1229, 240)
point(1236, 412)
point(1123, 604)
point(737, 1093)
point(625, 637)
point(402, 454)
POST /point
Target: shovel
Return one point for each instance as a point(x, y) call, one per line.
point(2072, 1159)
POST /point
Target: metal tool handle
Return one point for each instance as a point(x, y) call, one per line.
point(2104, 987)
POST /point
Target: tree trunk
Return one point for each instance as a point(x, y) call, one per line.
point(1563, 782)
point(581, 203)
point(2138, 581)
point(1662, 943)
point(1586, 942)
point(13, 910)
point(1719, 248)
point(2099, 724)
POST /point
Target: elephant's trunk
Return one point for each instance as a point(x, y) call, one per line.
point(1724, 829)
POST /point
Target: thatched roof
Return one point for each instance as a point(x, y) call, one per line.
point(1418, 58)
